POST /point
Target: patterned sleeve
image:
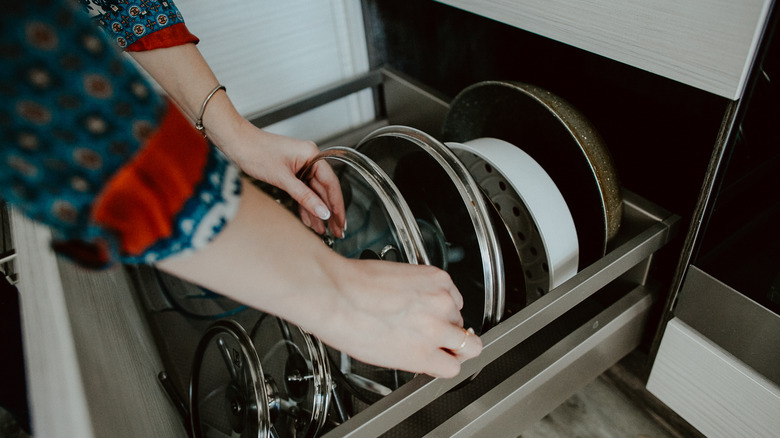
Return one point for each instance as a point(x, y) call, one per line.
point(138, 25)
point(91, 150)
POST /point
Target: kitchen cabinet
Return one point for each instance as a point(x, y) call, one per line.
point(717, 362)
point(717, 358)
point(703, 43)
point(660, 81)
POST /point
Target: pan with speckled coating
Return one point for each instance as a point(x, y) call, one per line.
point(559, 138)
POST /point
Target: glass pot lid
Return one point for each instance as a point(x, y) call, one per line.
point(380, 224)
point(296, 364)
point(282, 391)
point(451, 212)
point(229, 395)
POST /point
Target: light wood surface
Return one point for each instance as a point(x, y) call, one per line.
point(708, 44)
point(90, 358)
point(598, 410)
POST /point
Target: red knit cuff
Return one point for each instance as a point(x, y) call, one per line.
point(141, 200)
point(170, 36)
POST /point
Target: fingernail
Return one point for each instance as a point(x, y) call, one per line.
point(305, 220)
point(322, 212)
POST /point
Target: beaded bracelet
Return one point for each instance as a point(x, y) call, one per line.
point(199, 122)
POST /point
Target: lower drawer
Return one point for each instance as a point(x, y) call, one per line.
point(710, 388)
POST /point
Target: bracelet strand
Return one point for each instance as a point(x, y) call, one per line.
point(199, 123)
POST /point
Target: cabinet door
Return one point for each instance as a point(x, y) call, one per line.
point(708, 44)
point(717, 362)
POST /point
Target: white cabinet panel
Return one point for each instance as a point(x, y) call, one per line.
point(708, 44)
point(267, 52)
point(711, 389)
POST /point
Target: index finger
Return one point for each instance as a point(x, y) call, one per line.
point(326, 184)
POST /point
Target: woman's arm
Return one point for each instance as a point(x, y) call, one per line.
point(187, 78)
point(388, 314)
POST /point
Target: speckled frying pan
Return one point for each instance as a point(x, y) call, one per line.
point(560, 139)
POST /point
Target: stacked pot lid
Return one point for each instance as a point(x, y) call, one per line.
point(409, 199)
point(297, 364)
point(283, 391)
point(380, 223)
point(228, 392)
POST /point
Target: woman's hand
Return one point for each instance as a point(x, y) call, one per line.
point(277, 160)
point(184, 74)
point(383, 313)
point(399, 316)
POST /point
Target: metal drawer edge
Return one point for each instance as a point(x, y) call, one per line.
point(410, 398)
point(539, 387)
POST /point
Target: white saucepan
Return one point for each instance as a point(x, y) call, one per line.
point(531, 205)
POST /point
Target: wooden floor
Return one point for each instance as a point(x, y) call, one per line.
point(615, 405)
